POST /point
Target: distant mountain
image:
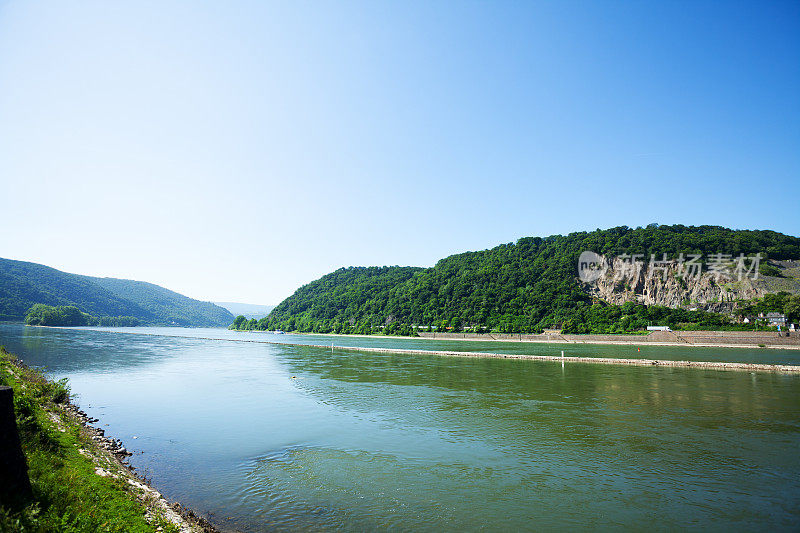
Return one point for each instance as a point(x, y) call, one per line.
point(24, 284)
point(248, 310)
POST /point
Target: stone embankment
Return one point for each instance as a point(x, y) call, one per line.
point(696, 338)
point(109, 457)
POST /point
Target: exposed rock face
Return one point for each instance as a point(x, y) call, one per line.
point(15, 486)
point(673, 283)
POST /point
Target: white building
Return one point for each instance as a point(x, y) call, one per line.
point(776, 319)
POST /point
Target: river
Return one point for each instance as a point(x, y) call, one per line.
point(265, 437)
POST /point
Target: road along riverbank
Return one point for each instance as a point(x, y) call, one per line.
point(703, 339)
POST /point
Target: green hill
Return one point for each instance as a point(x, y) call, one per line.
point(24, 284)
point(517, 287)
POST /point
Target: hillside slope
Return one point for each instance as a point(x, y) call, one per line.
point(23, 284)
point(524, 286)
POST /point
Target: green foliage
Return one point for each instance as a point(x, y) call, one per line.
point(58, 391)
point(115, 321)
point(768, 304)
point(46, 315)
point(238, 323)
point(792, 308)
point(605, 318)
point(68, 496)
point(521, 287)
point(766, 269)
point(68, 315)
point(781, 302)
point(23, 285)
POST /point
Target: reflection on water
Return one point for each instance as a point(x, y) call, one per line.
point(271, 437)
point(678, 353)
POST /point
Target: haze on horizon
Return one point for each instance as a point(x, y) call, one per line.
point(235, 151)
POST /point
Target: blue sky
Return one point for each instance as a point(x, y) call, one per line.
point(236, 150)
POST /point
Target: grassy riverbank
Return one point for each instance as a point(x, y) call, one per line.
point(78, 485)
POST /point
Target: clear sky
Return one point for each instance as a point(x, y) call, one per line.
point(237, 150)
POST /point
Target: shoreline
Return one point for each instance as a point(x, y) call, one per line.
point(530, 338)
point(663, 363)
point(108, 456)
point(620, 342)
point(707, 365)
point(112, 452)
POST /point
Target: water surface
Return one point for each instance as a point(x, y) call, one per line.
point(265, 437)
point(633, 351)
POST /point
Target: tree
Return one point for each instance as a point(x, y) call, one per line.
point(792, 308)
point(516, 287)
point(69, 315)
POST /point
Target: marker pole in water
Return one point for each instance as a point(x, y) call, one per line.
point(562, 358)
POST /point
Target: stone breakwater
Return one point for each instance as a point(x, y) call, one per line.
point(711, 365)
point(707, 365)
point(98, 435)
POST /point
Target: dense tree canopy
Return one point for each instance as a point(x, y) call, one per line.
point(24, 284)
point(517, 287)
point(782, 302)
point(69, 315)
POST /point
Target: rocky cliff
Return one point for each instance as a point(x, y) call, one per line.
point(674, 283)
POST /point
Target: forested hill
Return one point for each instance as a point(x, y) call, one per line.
point(524, 286)
point(24, 284)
